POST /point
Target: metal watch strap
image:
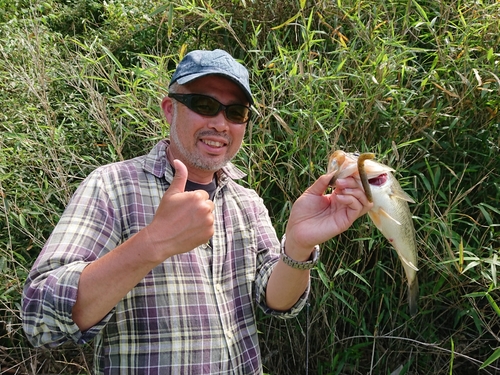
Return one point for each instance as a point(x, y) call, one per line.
point(307, 265)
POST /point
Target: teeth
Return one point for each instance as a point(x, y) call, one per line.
point(213, 143)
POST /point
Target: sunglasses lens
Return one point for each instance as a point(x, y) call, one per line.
point(204, 105)
point(237, 113)
point(208, 106)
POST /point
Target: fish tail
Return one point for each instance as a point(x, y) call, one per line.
point(413, 297)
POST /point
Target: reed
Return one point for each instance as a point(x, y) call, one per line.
point(416, 82)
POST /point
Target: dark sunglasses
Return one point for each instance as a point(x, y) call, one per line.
point(207, 106)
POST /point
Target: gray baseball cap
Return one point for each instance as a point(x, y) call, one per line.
point(197, 64)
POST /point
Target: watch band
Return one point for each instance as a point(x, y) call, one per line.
point(307, 265)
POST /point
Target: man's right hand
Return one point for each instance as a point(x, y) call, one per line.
point(183, 221)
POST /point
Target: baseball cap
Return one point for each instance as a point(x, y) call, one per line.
point(199, 63)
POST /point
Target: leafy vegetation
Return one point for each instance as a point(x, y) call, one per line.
point(417, 82)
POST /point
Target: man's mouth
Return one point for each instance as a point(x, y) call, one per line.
point(212, 143)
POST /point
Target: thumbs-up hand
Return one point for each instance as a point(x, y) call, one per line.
point(183, 221)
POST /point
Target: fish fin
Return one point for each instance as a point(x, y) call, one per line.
point(401, 194)
point(408, 263)
point(375, 218)
point(385, 214)
point(413, 292)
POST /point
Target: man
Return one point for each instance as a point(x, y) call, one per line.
point(162, 259)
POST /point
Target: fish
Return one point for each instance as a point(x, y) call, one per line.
point(390, 212)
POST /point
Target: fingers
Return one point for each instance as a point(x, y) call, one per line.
point(183, 220)
point(347, 183)
point(351, 194)
point(209, 205)
point(320, 185)
point(348, 192)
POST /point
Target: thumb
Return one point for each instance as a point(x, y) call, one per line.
point(178, 184)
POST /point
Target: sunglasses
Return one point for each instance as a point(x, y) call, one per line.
point(207, 106)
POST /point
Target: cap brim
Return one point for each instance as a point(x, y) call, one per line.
point(191, 77)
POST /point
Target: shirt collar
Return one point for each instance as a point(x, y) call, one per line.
point(156, 163)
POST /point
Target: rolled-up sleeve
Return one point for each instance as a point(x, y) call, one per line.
point(261, 285)
point(87, 229)
point(47, 308)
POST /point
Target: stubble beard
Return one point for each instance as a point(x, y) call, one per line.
point(194, 158)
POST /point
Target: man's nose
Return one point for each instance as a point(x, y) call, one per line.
point(219, 122)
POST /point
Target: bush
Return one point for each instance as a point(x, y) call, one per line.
point(415, 82)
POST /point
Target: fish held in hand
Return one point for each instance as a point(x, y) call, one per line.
point(390, 212)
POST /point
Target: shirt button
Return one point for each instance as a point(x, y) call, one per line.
point(218, 288)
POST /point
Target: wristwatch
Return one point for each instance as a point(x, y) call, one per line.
point(307, 265)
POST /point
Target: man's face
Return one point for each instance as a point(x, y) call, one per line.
point(205, 144)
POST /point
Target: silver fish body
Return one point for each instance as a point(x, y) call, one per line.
point(390, 212)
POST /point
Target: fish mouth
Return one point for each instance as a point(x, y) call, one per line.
point(379, 180)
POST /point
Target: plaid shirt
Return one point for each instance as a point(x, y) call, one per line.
point(192, 314)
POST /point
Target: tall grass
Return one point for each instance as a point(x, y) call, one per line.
point(416, 82)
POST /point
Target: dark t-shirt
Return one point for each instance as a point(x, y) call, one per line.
point(209, 188)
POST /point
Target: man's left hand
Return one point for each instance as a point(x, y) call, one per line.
point(316, 217)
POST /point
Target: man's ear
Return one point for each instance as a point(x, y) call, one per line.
point(167, 106)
